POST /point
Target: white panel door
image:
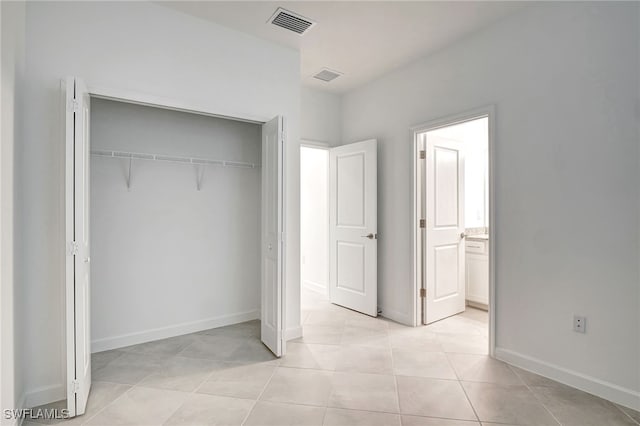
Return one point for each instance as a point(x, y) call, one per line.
point(78, 270)
point(272, 252)
point(444, 247)
point(353, 227)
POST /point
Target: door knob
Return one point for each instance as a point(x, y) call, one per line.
point(370, 236)
point(87, 260)
point(462, 235)
point(269, 247)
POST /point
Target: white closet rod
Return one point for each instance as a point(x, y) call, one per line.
point(197, 162)
point(174, 159)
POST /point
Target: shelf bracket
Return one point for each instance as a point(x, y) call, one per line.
point(199, 176)
point(129, 174)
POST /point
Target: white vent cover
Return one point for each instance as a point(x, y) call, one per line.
point(291, 21)
point(327, 75)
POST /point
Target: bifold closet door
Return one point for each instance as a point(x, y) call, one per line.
point(272, 251)
point(77, 270)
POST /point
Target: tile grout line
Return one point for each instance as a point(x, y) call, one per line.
point(475, 413)
point(264, 388)
point(107, 405)
point(395, 381)
point(139, 386)
point(214, 371)
point(131, 387)
point(470, 403)
point(535, 396)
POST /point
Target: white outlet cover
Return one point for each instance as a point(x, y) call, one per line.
point(579, 324)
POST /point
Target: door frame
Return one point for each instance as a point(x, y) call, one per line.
point(487, 111)
point(308, 143)
point(138, 98)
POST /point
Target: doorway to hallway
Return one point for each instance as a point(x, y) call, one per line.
point(339, 220)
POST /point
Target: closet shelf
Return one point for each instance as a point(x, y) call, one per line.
point(197, 162)
point(174, 159)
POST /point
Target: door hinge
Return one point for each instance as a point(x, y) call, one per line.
point(423, 293)
point(74, 106)
point(73, 248)
point(74, 386)
point(423, 154)
point(423, 223)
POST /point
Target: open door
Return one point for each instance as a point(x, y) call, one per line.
point(272, 252)
point(353, 227)
point(77, 237)
point(444, 229)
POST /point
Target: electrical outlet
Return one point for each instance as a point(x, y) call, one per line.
point(579, 324)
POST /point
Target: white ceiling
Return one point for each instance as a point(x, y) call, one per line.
point(362, 39)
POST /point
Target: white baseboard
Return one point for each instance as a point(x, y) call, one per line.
point(123, 340)
point(397, 316)
point(43, 395)
point(612, 392)
point(315, 287)
point(293, 333)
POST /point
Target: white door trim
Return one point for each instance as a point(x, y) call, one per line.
point(140, 98)
point(486, 111)
point(309, 143)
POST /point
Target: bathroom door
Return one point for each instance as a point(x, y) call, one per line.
point(444, 225)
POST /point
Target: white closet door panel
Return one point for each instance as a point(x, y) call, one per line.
point(272, 236)
point(78, 271)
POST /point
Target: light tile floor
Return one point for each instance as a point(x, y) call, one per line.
point(348, 369)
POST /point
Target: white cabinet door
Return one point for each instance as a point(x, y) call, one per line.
point(477, 274)
point(272, 236)
point(444, 226)
point(77, 270)
point(353, 224)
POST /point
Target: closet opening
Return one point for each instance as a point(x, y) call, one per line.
point(174, 223)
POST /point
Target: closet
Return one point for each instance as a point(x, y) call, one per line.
point(175, 215)
point(174, 224)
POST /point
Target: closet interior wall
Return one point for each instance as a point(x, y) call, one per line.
point(175, 247)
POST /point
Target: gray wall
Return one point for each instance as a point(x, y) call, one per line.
point(564, 80)
point(164, 255)
point(320, 116)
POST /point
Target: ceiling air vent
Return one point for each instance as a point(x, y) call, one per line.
point(327, 75)
point(291, 21)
